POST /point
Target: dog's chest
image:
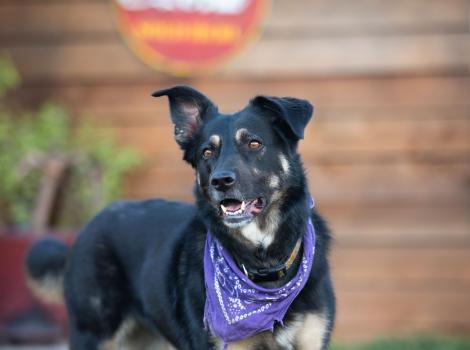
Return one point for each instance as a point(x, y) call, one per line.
point(304, 332)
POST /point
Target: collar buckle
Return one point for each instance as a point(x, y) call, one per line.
point(270, 274)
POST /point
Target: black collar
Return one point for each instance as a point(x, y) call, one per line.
point(271, 274)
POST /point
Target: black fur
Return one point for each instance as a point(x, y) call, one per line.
point(144, 259)
point(47, 258)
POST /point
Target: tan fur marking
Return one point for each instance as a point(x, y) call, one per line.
point(251, 343)
point(305, 332)
point(274, 181)
point(48, 289)
point(215, 140)
point(133, 336)
point(277, 195)
point(313, 331)
point(265, 237)
point(253, 233)
point(239, 134)
point(286, 336)
point(284, 163)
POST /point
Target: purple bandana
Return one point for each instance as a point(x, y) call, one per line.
point(236, 308)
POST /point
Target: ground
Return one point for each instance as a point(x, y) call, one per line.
point(411, 343)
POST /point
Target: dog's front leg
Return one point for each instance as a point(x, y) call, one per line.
point(314, 332)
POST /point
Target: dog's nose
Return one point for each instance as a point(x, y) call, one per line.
point(222, 180)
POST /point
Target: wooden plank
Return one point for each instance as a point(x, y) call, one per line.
point(403, 307)
point(363, 314)
point(417, 97)
point(355, 56)
point(82, 61)
point(348, 18)
point(300, 57)
point(387, 136)
point(336, 183)
point(104, 114)
point(415, 224)
point(412, 220)
point(386, 284)
point(46, 21)
point(52, 20)
point(405, 263)
point(357, 142)
point(367, 330)
point(157, 143)
point(333, 140)
point(382, 291)
point(158, 182)
point(390, 182)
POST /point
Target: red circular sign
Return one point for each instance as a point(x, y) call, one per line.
point(188, 36)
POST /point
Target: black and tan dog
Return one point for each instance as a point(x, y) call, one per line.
point(136, 270)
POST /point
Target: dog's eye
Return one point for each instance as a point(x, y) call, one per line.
point(254, 144)
point(207, 153)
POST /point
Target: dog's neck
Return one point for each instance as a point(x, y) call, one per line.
point(269, 242)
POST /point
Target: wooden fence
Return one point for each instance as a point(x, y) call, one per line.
point(387, 153)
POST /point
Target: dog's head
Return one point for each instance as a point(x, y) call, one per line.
point(245, 161)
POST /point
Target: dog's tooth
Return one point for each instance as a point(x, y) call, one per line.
point(223, 209)
point(243, 206)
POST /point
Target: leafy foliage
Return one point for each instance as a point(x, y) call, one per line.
point(96, 164)
point(9, 77)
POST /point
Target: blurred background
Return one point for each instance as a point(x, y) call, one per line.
point(387, 154)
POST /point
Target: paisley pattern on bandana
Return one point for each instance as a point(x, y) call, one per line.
point(236, 308)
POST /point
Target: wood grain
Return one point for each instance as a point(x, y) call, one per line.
point(414, 224)
point(338, 182)
point(389, 96)
point(322, 38)
point(331, 140)
point(50, 20)
point(400, 291)
point(407, 263)
point(299, 57)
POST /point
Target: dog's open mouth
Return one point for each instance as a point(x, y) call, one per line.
point(234, 210)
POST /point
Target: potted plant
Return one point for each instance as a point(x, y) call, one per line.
point(54, 175)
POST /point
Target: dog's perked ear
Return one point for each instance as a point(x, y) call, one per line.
point(188, 108)
point(291, 114)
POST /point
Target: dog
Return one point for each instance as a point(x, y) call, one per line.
point(152, 273)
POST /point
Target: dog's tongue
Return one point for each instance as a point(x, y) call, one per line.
point(232, 205)
point(254, 206)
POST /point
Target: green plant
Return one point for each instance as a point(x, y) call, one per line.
point(9, 77)
point(53, 171)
